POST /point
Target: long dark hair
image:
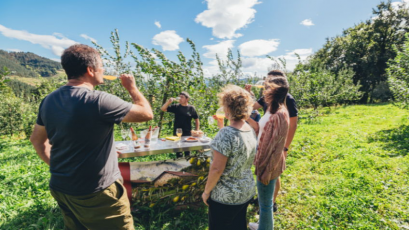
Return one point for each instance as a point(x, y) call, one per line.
point(276, 93)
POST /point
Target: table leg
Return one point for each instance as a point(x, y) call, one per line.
point(125, 169)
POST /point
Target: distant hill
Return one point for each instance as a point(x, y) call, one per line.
point(26, 64)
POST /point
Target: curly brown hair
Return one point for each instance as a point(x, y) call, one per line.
point(237, 101)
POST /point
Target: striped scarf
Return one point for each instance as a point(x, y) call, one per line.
point(270, 157)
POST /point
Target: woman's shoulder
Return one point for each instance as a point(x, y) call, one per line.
point(225, 131)
point(281, 113)
point(282, 110)
point(229, 130)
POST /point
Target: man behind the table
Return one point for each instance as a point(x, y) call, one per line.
point(184, 113)
point(74, 135)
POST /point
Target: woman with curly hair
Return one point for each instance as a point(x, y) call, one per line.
point(230, 184)
point(272, 132)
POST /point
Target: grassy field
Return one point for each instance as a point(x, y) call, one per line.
point(348, 168)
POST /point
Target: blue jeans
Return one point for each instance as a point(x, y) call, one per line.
point(265, 201)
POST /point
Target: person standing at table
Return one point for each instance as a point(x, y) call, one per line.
point(184, 113)
point(74, 135)
point(293, 113)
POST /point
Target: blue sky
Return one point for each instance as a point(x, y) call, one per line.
point(278, 28)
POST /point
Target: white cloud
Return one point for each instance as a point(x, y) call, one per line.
point(157, 23)
point(307, 22)
point(258, 47)
point(227, 16)
point(211, 39)
point(169, 40)
point(261, 65)
point(396, 5)
point(220, 49)
point(88, 38)
point(292, 60)
point(14, 50)
point(52, 42)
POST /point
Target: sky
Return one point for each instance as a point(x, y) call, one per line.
point(278, 28)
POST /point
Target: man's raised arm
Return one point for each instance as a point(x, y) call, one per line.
point(141, 109)
point(165, 106)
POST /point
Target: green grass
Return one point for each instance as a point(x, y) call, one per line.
point(348, 168)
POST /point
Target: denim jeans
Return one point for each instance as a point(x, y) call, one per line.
point(265, 200)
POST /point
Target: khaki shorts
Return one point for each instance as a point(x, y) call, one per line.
point(107, 209)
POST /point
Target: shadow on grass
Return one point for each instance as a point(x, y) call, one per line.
point(396, 141)
point(191, 218)
point(194, 217)
point(36, 218)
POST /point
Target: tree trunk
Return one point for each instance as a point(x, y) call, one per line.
point(165, 98)
point(364, 98)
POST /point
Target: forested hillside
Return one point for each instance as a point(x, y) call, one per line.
point(26, 64)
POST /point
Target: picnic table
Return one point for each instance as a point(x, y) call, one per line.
point(162, 146)
point(149, 174)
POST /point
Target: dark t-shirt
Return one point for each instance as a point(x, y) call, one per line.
point(183, 117)
point(291, 105)
point(80, 126)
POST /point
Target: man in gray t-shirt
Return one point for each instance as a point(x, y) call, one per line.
point(74, 135)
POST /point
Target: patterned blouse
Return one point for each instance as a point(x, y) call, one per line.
point(236, 184)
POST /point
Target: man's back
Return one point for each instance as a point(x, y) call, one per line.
point(79, 124)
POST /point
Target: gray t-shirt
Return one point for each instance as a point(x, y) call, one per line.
point(236, 184)
point(80, 126)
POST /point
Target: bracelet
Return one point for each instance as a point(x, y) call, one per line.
point(207, 194)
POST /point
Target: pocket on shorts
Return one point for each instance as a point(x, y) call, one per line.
point(115, 190)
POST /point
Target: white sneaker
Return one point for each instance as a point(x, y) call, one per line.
point(253, 226)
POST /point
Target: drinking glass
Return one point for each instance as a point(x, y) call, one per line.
point(259, 84)
point(114, 75)
point(179, 134)
point(210, 120)
point(220, 113)
point(130, 134)
point(124, 134)
point(110, 77)
point(141, 138)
